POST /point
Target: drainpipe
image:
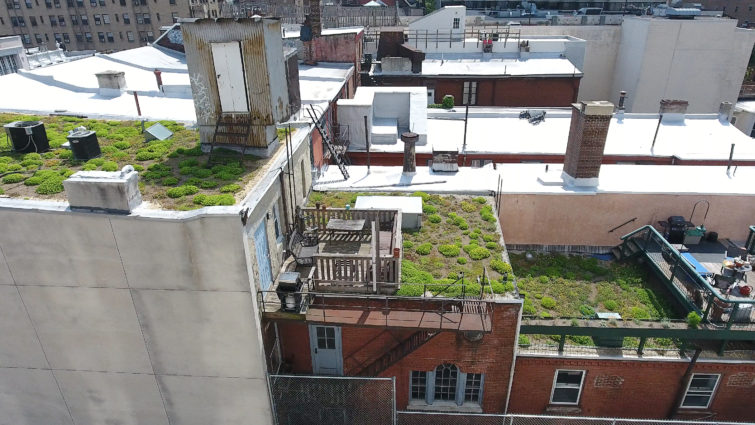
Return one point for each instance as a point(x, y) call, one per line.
point(685, 382)
point(513, 358)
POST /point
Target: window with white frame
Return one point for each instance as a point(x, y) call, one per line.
point(567, 386)
point(446, 385)
point(457, 21)
point(469, 95)
point(700, 391)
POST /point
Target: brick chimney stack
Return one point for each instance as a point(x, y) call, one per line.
point(587, 140)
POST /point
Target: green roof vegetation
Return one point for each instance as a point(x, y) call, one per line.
point(457, 236)
point(173, 173)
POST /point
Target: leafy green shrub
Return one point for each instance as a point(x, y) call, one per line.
point(157, 172)
point(461, 260)
point(194, 181)
point(611, 305)
point(208, 184)
point(490, 238)
point(177, 192)
point(486, 213)
point(122, 145)
point(638, 313)
point(50, 186)
point(545, 315)
point(412, 274)
point(448, 101)
point(468, 207)
point(543, 279)
point(40, 176)
point(434, 218)
point(435, 106)
point(449, 250)
point(492, 246)
point(479, 200)
point(110, 166)
point(478, 253)
point(408, 244)
point(524, 340)
point(201, 172)
point(32, 157)
point(211, 200)
point(89, 167)
point(500, 266)
point(410, 290)
point(548, 302)
point(14, 178)
point(528, 309)
point(230, 188)
point(429, 209)
point(424, 248)
point(693, 320)
point(191, 162)
point(170, 181)
point(138, 167)
point(586, 310)
point(96, 161)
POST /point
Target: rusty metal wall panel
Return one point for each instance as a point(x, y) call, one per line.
point(264, 70)
point(292, 75)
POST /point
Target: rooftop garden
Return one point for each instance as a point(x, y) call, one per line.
point(458, 237)
point(576, 287)
point(173, 173)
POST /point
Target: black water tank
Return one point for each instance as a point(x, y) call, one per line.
point(84, 144)
point(28, 136)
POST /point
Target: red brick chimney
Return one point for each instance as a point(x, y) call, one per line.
point(587, 140)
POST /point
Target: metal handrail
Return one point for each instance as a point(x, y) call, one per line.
point(308, 299)
point(677, 256)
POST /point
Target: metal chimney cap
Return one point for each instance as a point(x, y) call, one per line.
point(409, 137)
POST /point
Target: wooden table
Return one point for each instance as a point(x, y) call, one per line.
point(345, 226)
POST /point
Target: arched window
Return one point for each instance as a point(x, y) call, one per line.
point(446, 385)
point(446, 376)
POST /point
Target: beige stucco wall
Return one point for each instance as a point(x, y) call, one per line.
point(586, 219)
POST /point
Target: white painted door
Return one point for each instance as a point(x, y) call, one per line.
point(263, 256)
point(325, 344)
point(430, 96)
point(229, 71)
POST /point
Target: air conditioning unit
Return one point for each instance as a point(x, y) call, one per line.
point(84, 144)
point(27, 136)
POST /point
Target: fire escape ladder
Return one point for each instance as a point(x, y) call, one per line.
point(397, 353)
point(230, 131)
point(335, 153)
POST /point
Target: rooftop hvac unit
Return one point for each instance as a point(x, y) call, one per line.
point(84, 144)
point(27, 136)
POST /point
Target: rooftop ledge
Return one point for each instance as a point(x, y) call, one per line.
point(173, 174)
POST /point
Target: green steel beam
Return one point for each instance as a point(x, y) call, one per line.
point(701, 334)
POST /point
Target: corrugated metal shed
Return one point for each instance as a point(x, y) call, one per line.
point(264, 74)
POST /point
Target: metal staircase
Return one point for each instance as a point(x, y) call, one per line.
point(397, 353)
point(335, 153)
point(230, 130)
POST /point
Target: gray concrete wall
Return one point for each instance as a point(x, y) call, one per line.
point(110, 319)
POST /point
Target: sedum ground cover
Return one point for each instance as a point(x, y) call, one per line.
point(458, 235)
point(172, 173)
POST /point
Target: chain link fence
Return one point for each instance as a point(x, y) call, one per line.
point(436, 418)
point(330, 400)
point(321, 400)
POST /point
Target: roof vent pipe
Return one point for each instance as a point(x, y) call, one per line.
point(622, 98)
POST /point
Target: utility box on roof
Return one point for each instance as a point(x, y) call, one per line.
point(410, 207)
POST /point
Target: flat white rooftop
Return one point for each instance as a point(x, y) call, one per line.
point(501, 131)
point(526, 179)
point(72, 88)
point(465, 64)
